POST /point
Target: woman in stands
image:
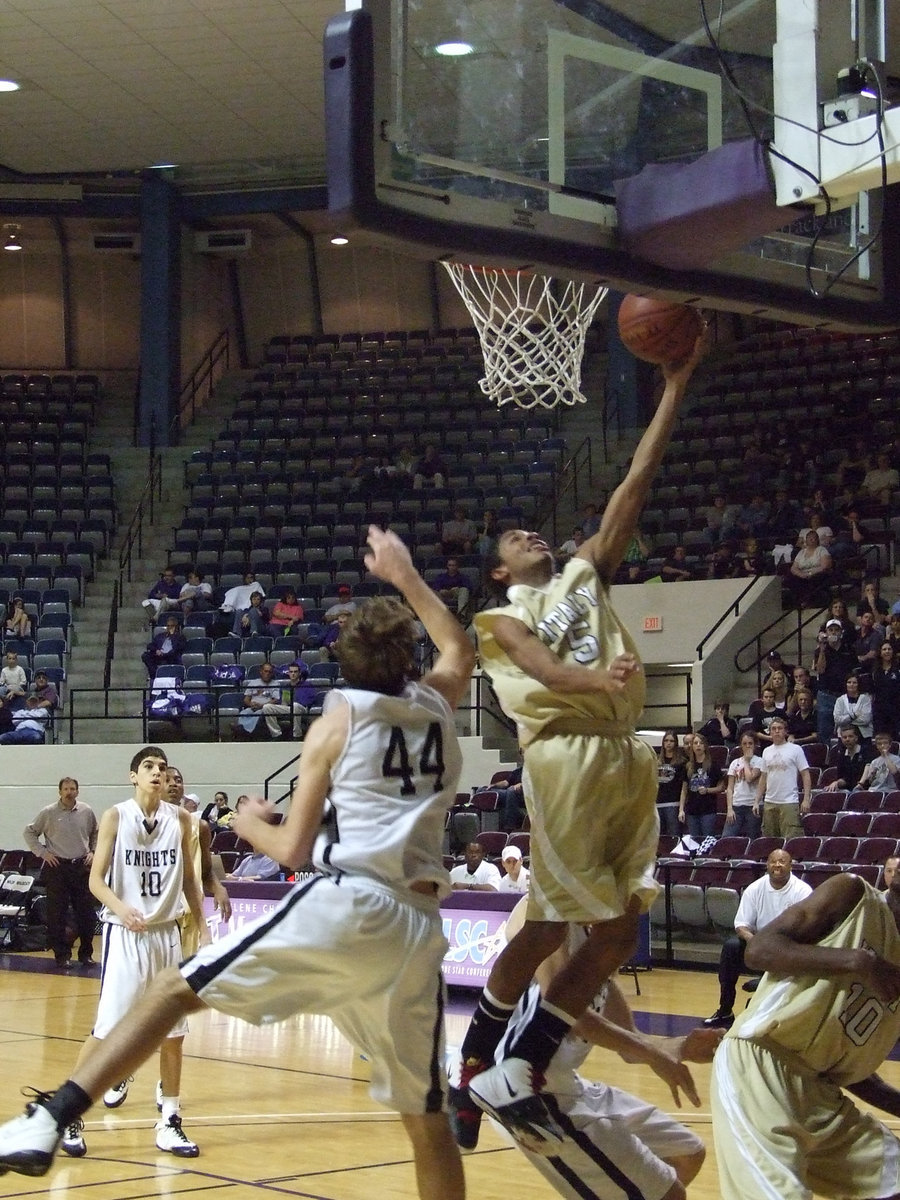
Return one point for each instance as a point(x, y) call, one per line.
point(743, 776)
point(811, 569)
point(18, 622)
point(706, 782)
point(886, 691)
point(286, 613)
point(872, 601)
point(671, 783)
point(855, 706)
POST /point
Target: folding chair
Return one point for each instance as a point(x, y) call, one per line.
point(15, 893)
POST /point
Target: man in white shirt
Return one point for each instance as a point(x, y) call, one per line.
point(776, 792)
point(475, 874)
point(516, 877)
point(762, 901)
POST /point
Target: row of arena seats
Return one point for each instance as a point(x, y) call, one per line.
point(806, 849)
point(39, 386)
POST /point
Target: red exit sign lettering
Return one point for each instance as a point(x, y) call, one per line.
point(653, 624)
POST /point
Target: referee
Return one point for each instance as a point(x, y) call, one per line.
point(64, 835)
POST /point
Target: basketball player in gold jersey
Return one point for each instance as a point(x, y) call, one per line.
point(566, 670)
point(825, 1016)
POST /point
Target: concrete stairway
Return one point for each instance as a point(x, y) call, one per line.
point(113, 435)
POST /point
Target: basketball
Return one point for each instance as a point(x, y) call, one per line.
point(658, 331)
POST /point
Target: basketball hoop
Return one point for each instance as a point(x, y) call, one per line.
point(532, 341)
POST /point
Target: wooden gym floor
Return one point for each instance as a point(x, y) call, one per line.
point(284, 1111)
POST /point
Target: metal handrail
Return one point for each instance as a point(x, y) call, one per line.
point(203, 376)
point(568, 479)
point(788, 637)
point(733, 609)
point(134, 535)
point(111, 634)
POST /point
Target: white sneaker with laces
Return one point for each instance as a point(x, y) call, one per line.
point(28, 1142)
point(117, 1094)
point(512, 1092)
point(172, 1138)
point(73, 1140)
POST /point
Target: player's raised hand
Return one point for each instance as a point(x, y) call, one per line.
point(388, 557)
point(616, 675)
point(680, 372)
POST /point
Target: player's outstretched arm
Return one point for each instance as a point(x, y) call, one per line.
point(608, 545)
point(523, 647)
point(211, 885)
point(390, 560)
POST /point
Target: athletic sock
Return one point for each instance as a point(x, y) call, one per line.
point(540, 1037)
point(486, 1029)
point(67, 1104)
point(171, 1106)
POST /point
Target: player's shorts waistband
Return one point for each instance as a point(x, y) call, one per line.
point(585, 727)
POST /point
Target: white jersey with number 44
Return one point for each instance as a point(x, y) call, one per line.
point(391, 787)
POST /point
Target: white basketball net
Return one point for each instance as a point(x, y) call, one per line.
point(532, 341)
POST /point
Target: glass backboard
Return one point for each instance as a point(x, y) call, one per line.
point(502, 132)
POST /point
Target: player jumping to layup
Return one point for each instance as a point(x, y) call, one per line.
point(363, 942)
point(565, 669)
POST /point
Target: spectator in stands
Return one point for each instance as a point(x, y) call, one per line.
point(511, 797)
point(251, 620)
point(488, 532)
point(333, 635)
point(284, 614)
point(750, 559)
point(13, 680)
point(782, 525)
point(516, 877)
point(43, 692)
point(671, 782)
point(879, 481)
point(761, 902)
point(590, 519)
point(854, 465)
point(166, 648)
point(18, 622)
point(720, 729)
point(163, 595)
point(776, 791)
point(262, 698)
point(722, 562)
point(29, 725)
point(803, 720)
point(345, 604)
point(721, 521)
point(886, 691)
point(833, 663)
point(855, 705)
point(837, 611)
point(217, 813)
point(802, 679)
point(431, 471)
point(762, 713)
point(302, 696)
point(705, 782)
point(816, 525)
point(894, 633)
point(458, 533)
point(848, 758)
point(780, 684)
point(476, 874)
point(254, 867)
point(810, 571)
point(872, 601)
point(881, 773)
point(568, 548)
point(675, 568)
point(851, 536)
point(753, 517)
point(867, 644)
point(634, 560)
point(740, 791)
point(774, 662)
point(196, 595)
point(453, 587)
point(888, 871)
point(237, 598)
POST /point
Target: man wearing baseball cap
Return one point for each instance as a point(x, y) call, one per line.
point(516, 877)
point(831, 667)
point(345, 603)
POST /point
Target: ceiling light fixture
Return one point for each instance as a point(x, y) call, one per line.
point(454, 49)
point(11, 239)
point(9, 85)
point(339, 240)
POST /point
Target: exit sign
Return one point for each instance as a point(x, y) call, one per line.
point(653, 625)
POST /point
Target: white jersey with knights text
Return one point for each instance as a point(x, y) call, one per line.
point(147, 867)
point(391, 787)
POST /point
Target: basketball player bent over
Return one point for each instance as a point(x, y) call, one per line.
point(825, 1016)
point(362, 942)
point(565, 668)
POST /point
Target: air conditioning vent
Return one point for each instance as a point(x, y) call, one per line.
point(117, 243)
point(222, 241)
